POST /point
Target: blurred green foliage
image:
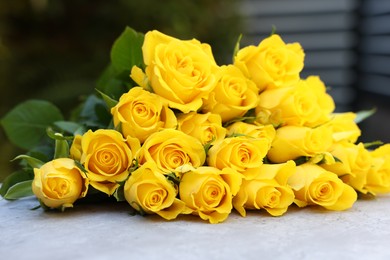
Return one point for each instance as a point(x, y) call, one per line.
point(56, 49)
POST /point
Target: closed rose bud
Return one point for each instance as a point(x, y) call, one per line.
point(59, 183)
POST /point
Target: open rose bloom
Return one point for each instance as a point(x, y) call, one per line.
point(194, 137)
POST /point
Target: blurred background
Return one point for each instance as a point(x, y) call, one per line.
point(56, 49)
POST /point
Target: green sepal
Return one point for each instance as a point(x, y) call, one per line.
point(135, 165)
point(173, 178)
point(33, 162)
point(138, 208)
point(365, 196)
point(237, 47)
point(301, 160)
point(373, 143)
point(273, 31)
point(119, 193)
point(249, 118)
point(36, 207)
point(110, 102)
point(43, 206)
point(80, 166)
point(364, 114)
point(208, 145)
point(61, 148)
point(19, 190)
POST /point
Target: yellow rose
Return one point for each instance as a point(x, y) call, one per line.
point(292, 142)
point(269, 190)
point(141, 113)
point(170, 149)
point(271, 64)
point(378, 177)
point(241, 153)
point(181, 72)
point(304, 104)
point(148, 190)
point(207, 128)
point(59, 183)
point(344, 127)
point(75, 149)
point(352, 164)
point(325, 101)
point(107, 157)
point(253, 130)
point(208, 192)
point(313, 185)
point(233, 95)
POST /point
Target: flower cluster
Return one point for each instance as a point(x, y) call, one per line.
point(192, 137)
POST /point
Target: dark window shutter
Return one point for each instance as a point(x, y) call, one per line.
point(347, 43)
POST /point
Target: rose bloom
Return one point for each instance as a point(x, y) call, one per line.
point(170, 149)
point(59, 183)
point(352, 164)
point(233, 95)
point(253, 130)
point(180, 71)
point(271, 64)
point(148, 190)
point(292, 142)
point(207, 128)
point(141, 113)
point(208, 192)
point(378, 177)
point(269, 190)
point(313, 185)
point(344, 127)
point(241, 153)
point(107, 157)
point(303, 104)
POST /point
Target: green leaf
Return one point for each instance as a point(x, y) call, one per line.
point(364, 114)
point(273, 31)
point(237, 47)
point(88, 113)
point(127, 50)
point(110, 102)
point(26, 124)
point(14, 178)
point(19, 190)
point(119, 194)
point(68, 126)
point(33, 162)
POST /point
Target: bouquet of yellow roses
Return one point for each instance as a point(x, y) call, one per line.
point(171, 132)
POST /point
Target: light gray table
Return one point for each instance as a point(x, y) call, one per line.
point(107, 231)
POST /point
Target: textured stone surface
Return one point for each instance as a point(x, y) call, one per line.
point(108, 232)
